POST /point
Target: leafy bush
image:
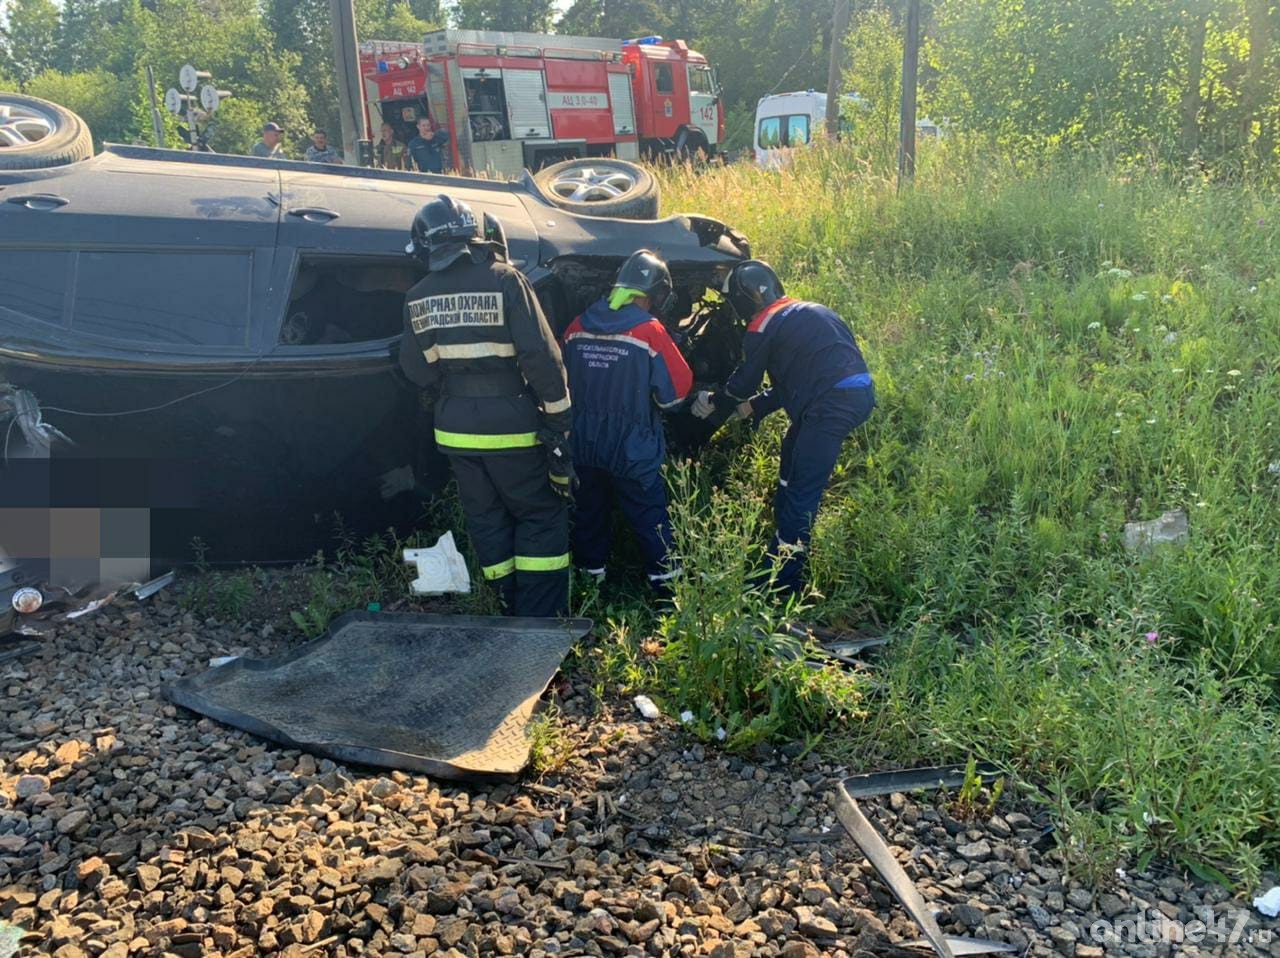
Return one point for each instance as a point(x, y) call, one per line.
point(729, 659)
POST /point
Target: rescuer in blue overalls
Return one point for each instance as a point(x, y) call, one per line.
point(623, 370)
point(817, 373)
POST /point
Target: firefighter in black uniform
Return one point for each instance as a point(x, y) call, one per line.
point(475, 336)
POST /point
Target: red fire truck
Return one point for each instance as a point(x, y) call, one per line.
point(512, 101)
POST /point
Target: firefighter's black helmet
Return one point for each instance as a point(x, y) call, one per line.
point(442, 231)
point(646, 271)
point(751, 286)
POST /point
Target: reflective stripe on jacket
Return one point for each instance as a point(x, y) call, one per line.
point(475, 334)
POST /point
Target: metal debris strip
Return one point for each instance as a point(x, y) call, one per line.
point(970, 946)
point(448, 696)
point(148, 589)
point(93, 606)
point(11, 650)
point(877, 852)
point(913, 780)
point(846, 643)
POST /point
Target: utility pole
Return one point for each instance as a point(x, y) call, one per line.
point(839, 27)
point(346, 65)
point(157, 123)
point(910, 73)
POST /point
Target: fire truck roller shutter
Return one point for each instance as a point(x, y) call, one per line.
point(601, 186)
point(624, 110)
point(527, 104)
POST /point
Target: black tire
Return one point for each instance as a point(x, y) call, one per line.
point(692, 147)
point(601, 188)
point(35, 134)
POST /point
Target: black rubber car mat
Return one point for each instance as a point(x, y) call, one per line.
point(445, 695)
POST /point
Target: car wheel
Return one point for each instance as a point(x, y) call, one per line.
point(36, 133)
point(692, 148)
point(601, 187)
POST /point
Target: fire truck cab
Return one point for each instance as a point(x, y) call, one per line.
point(514, 101)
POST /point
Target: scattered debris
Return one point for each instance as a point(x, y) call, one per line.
point(22, 407)
point(16, 649)
point(148, 589)
point(970, 946)
point(441, 568)
point(729, 848)
point(881, 858)
point(913, 780)
point(10, 937)
point(646, 707)
point(219, 660)
point(447, 695)
point(1269, 904)
point(840, 645)
point(1169, 529)
point(93, 606)
point(877, 852)
point(686, 717)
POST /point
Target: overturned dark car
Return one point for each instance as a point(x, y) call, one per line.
point(206, 344)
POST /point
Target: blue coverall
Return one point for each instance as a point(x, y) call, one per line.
point(817, 373)
point(431, 156)
point(623, 370)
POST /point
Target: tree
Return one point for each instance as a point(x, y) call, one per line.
point(1073, 73)
point(402, 22)
point(29, 38)
point(102, 99)
point(128, 39)
point(532, 16)
point(1189, 108)
point(613, 18)
point(79, 33)
point(874, 75)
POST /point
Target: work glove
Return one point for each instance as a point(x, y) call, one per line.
point(704, 404)
point(743, 410)
point(559, 463)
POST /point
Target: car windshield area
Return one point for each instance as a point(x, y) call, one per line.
point(344, 299)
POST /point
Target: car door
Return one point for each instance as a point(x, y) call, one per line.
point(702, 101)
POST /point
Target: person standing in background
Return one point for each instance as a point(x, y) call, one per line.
point(429, 149)
point(390, 153)
point(319, 151)
point(269, 146)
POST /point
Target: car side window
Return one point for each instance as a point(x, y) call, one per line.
point(347, 299)
point(770, 133)
point(664, 79)
point(33, 283)
point(797, 130)
point(164, 298)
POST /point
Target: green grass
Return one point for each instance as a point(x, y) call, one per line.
point(1057, 350)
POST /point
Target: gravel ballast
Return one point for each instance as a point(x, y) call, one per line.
point(131, 827)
